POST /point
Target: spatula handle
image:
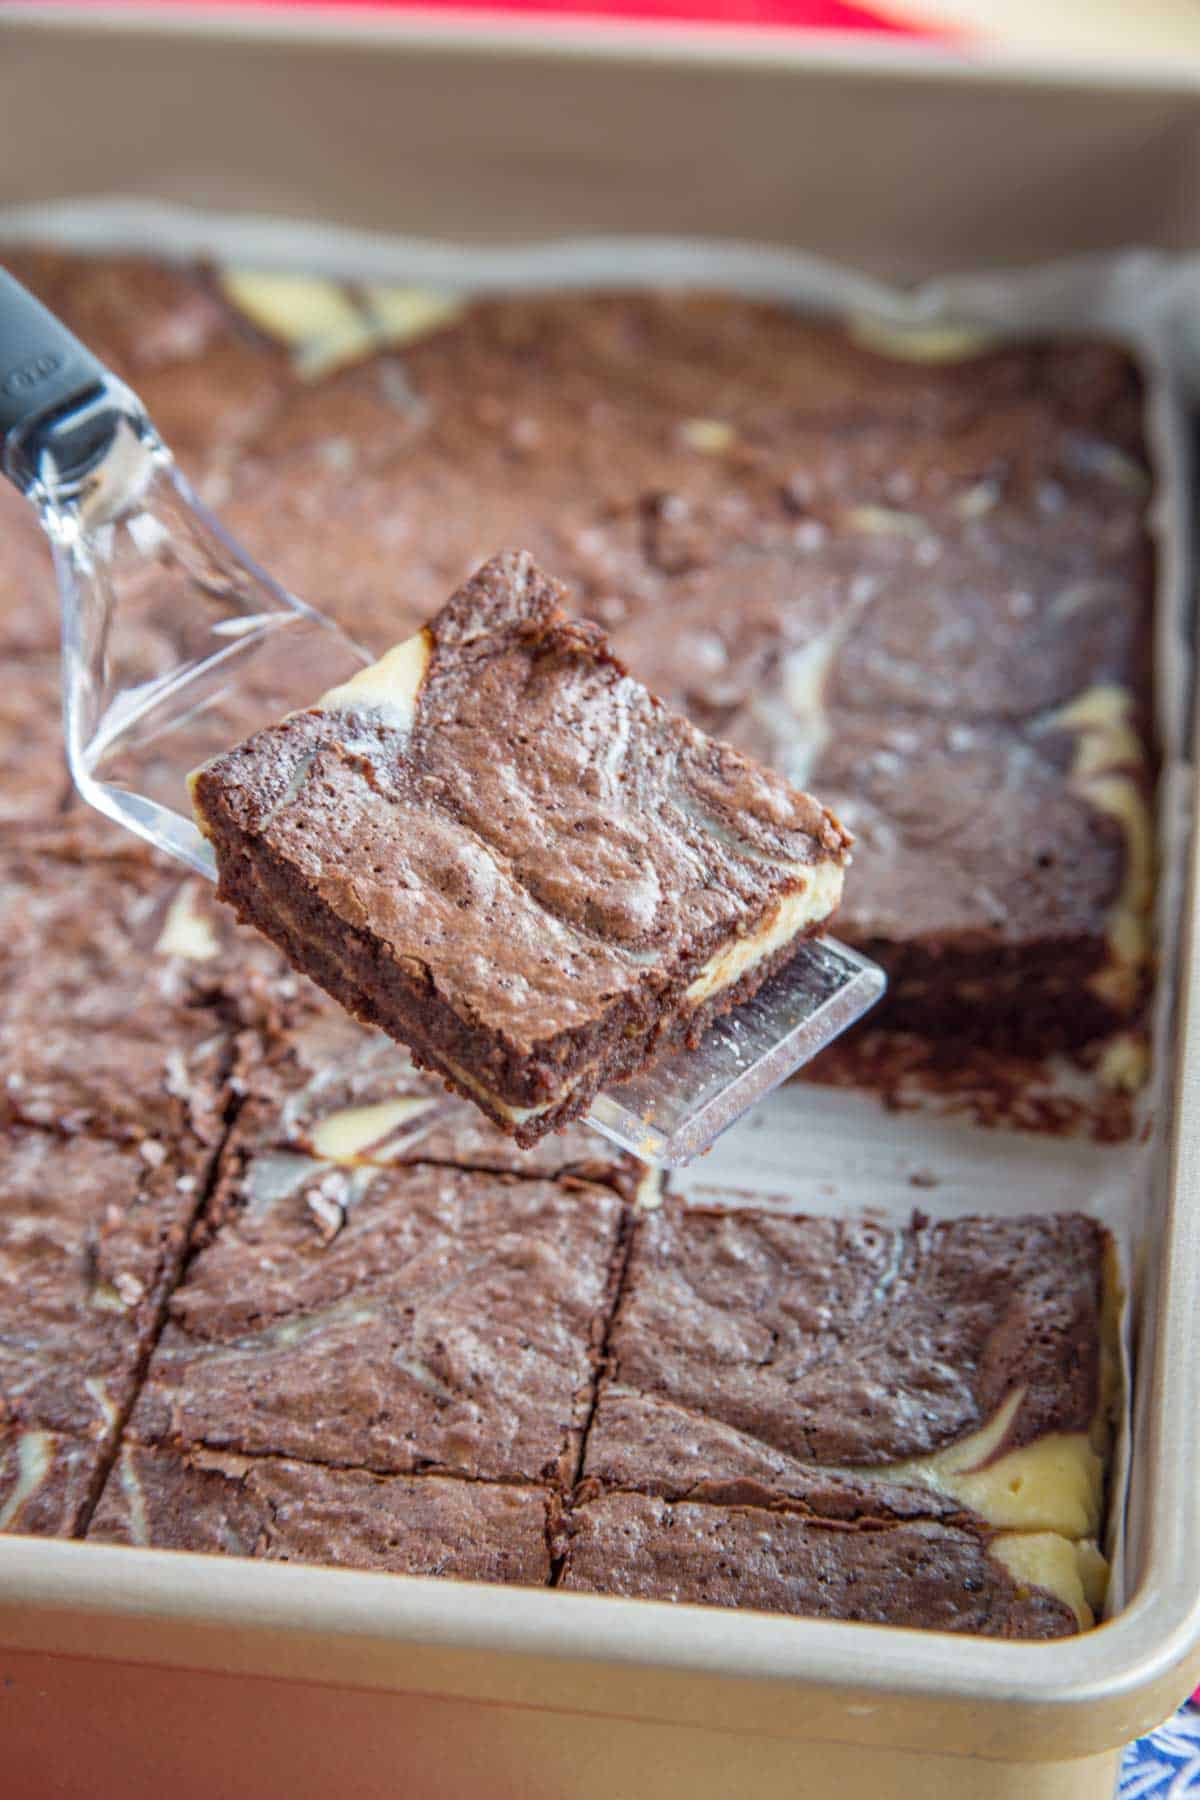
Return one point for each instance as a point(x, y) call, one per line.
point(52, 392)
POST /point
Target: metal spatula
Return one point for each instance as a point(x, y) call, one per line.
point(176, 645)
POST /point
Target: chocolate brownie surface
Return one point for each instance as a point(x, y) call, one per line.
point(1003, 874)
point(884, 613)
point(33, 767)
point(29, 614)
point(938, 1576)
point(757, 1345)
point(389, 1319)
point(285, 1511)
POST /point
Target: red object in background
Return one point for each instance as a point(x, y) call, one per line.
point(799, 15)
point(804, 15)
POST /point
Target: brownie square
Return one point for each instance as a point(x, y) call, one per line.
point(394, 1320)
point(505, 852)
point(940, 1577)
point(1003, 875)
point(284, 1511)
point(92, 1234)
point(862, 1368)
point(846, 1418)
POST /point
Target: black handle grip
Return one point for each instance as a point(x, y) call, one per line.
point(45, 372)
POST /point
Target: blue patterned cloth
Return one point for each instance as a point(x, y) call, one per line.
point(1165, 1765)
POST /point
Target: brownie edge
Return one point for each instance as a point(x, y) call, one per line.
point(281, 1510)
point(938, 1576)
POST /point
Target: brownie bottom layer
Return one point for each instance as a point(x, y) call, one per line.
point(370, 986)
point(672, 1033)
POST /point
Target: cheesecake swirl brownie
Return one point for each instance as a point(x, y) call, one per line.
point(855, 1419)
point(476, 1375)
point(404, 1320)
point(500, 848)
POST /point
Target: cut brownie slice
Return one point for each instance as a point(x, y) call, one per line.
point(759, 1347)
point(955, 1376)
point(937, 1576)
point(1004, 876)
point(389, 1319)
point(504, 851)
point(288, 1511)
